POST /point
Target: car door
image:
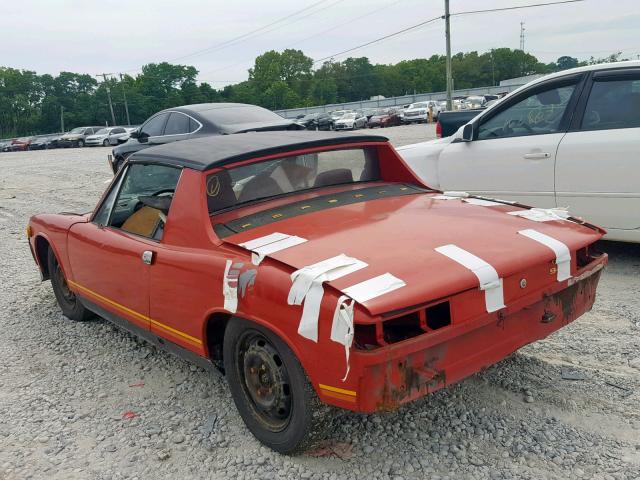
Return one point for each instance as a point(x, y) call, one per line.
point(152, 130)
point(179, 127)
point(110, 256)
point(598, 164)
point(513, 150)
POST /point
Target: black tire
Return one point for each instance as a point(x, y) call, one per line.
point(105, 143)
point(288, 417)
point(69, 303)
point(80, 143)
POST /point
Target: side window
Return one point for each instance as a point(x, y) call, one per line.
point(193, 125)
point(104, 212)
point(539, 113)
point(178, 124)
point(155, 126)
point(613, 104)
point(143, 203)
point(115, 131)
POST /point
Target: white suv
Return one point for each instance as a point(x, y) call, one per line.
point(419, 111)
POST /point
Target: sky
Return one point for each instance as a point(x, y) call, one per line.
point(111, 36)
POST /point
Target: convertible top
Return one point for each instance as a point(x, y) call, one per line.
point(217, 150)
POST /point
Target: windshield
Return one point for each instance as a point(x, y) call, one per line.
point(77, 130)
point(103, 131)
point(348, 116)
point(233, 187)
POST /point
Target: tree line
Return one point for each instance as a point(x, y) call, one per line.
point(32, 104)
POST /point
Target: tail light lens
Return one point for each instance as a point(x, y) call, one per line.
point(439, 130)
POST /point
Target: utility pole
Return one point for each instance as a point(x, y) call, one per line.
point(113, 117)
point(522, 44)
point(493, 70)
point(61, 118)
point(126, 106)
point(447, 34)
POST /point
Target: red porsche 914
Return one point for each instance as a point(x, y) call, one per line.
point(315, 268)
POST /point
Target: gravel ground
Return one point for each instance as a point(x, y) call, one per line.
point(87, 401)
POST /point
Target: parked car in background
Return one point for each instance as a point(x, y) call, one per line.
point(296, 262)
point(44, 142)
point(419, 111)
point(324, 122)
point(77, 137)
point(5, 146)
point(20, 144)
point(309, 121)
point(474, 102)
point(103, 136)
point(569, 139)
point(369, 112)
point(337, 114)
point(351, 121)
point(199, 120)
point(118, 138)
point(384, 117)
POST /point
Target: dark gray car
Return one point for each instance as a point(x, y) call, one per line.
point(203, 119)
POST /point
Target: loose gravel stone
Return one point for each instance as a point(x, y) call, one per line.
point(65, 385)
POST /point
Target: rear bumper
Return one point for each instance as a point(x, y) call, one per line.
point(396, 374)
point(416, 118)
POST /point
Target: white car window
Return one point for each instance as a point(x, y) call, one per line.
point(613, 104)
point(539, 113)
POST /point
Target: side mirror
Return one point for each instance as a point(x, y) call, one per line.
point(467, 132)
point(135, 134)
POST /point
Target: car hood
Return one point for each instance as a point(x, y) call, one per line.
point(423, 158)
point(399, 234)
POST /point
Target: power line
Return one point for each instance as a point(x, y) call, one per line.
point(245, 36)
point(312, 36)
point(399, 32)
point(471, 12)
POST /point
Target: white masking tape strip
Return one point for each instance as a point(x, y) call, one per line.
point(451, 196)
point(342, 327)
point(490, 282)
point(374, 287)
point(268, 244)
point(455, 194)
point(542, 214)
point(563, 254)
point(481, 202)
point(444, 197)
point(230, 288)
point(307, 287)
point(262, 241)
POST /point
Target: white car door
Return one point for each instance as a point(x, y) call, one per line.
point(514, 146)
point(598, 161)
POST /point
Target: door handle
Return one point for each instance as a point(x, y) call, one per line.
point(536, 156)
point(147, 257)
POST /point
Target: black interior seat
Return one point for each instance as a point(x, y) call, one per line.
point(333, 177)
point(258, 187)
point(220, 192)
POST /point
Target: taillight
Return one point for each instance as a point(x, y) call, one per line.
point(439, 130)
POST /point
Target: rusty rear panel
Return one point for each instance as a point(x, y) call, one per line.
point(401, 377)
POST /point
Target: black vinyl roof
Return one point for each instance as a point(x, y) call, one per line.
point(217, 150)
